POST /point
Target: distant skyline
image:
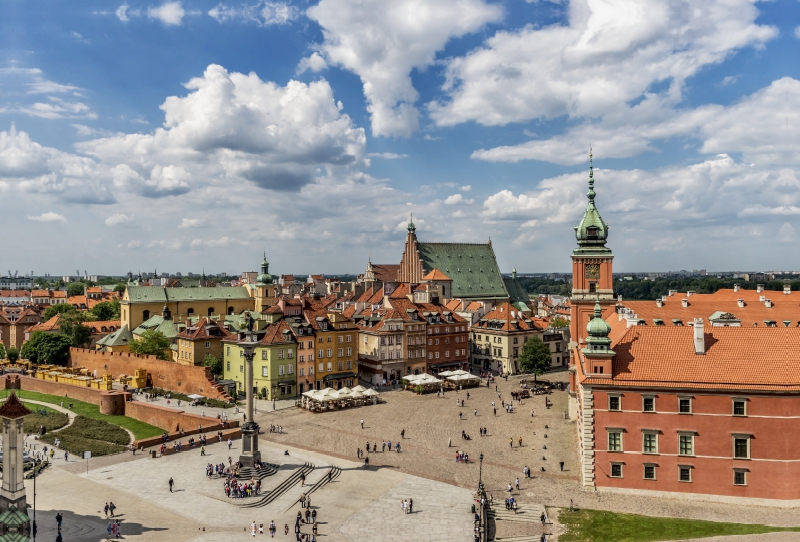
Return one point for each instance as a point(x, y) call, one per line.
point(140, 135)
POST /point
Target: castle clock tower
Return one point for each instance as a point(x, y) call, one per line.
point(592, 282)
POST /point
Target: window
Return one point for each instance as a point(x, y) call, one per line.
point(330, 366)
point(341, 339)
point(330, 352)
point(280, 353)
point(349, 365)
point(741, 446)
point(648, 404)
point(436, 341)
point(650, 442)
point(430, 342)
point(615, 441)
point(739, 407)
point(349, 338)
point(592, 287)
point(436, 355)
point(321, 339)
point(684, 473)
point(264, 371)
point(430, 355)
point(686, 444)
point(310, 344)
point(685, 405)
point(228, 366)
point(241, 368)
point(280, 370)
point(515, 340)
point(321, 354)
point(289, 353)
point(229, 351)
point(614, 402)
point(208, 344)
point(349, 351)
point(649, 472)
point(290, 369)
point(321, 368)
point(616, 470)
point(310, 371)
point(341, 352)
point(339, 366)
point(302, 371)
point(739, 477)
point(263, 354)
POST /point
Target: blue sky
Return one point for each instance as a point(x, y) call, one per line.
point(132, 135)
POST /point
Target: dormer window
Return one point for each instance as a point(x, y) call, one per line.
point(592, 232)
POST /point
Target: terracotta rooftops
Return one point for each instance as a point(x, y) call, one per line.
point(277, 333)
point(736, 358)
point(385, 272)
point(507, 317)
point(204, 329)
point(13, 408)
point(436, 275)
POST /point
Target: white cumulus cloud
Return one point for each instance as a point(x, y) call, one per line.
point(382, 42)
point(48, 217)
point(170, 13)
point(314, 63)
point(118, 218)
point(386, 155)
point(260, 13)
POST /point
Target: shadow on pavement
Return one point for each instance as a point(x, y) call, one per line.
point(81, 528)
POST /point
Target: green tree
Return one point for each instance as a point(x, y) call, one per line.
point(51, 348)
point(13, 355)
point(535, 357)
point(59, 308)
point(558, 321)
point(75, 288)
point(2, 351)
point(120, 287)
point(151, 342)
point(105, 310)
point(71, 325)
point(216, 365)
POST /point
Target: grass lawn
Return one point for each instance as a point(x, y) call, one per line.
point(601, 526)
point(139, 429)
point(34, 421)
point(97, 436)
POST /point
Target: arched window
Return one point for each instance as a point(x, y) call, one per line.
point(103, 328)
point(145, 315)
point(210, 311)
point(190, 311)
point(230, 310)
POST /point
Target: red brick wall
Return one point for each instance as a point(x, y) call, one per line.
point(89, 395)
point(772, 422)
point(170, 418)
point(161, 374)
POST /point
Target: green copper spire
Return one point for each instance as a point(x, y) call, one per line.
point(264, 277)
point(597, 341)
point(411, 227)
point(591, 233)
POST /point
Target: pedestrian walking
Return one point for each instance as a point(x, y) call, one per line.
point(362, 424)
point(109, 529)
point(561, 464)
point(105, 509)
point(286, 529)
point(520, 442)
point(402, 433)
point(111, 508)
point(171, 483)
point(59, 519)
point(511, 442)
point(410, 506)
point(253, 529)
point(495, 411)
point(476, 411)
point(302, 479)
point(570, 505)
point(517, 484)
point(202, 450)
point(460, 416)
point(383, 446)
point(66, 456)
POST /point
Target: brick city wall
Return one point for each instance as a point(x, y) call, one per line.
point(168, 375)
point(169, 419)
point(156, 442)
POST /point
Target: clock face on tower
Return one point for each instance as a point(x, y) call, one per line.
point(593, 271)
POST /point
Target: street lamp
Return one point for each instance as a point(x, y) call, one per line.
point(480, 473)
point(250, 454)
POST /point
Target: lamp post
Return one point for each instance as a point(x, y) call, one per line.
point(250, 454)
point(274, 391)
point(480, 473)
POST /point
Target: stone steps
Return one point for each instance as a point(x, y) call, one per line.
point(322, 482)
point(282, 488)
point(245, 473)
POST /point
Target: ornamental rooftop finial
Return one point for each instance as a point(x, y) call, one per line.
point(591, 233)
point(411, 226)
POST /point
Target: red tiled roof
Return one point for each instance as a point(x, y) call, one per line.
point(14, 293)
point(203, 330)
point(50, 325)
point(509, 313)
point(435, 274)
point(386, 272)
point(275, 334)
point(734, 358)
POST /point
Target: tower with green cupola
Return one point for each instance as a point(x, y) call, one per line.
point(592, 280)
point(264, 293)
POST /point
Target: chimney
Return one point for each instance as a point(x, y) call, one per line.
point(768, 303)
point(684, 302)
point(759, 288)
point(699, 336)
point(664, 298)
point(690, 293)
point(740, 302)
point(672, 292)
point(787, 289)
point(619, 298)
point(737, 287)
point(659, 303)
point(762, 298)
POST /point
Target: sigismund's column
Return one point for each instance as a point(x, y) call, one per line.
point(14, 518)
point(250, 454)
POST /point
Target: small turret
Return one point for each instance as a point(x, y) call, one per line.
point(264, 278)
point(598, 351)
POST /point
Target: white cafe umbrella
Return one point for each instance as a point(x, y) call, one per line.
point(360, 388)
point(371, 393)
point(194, 396)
